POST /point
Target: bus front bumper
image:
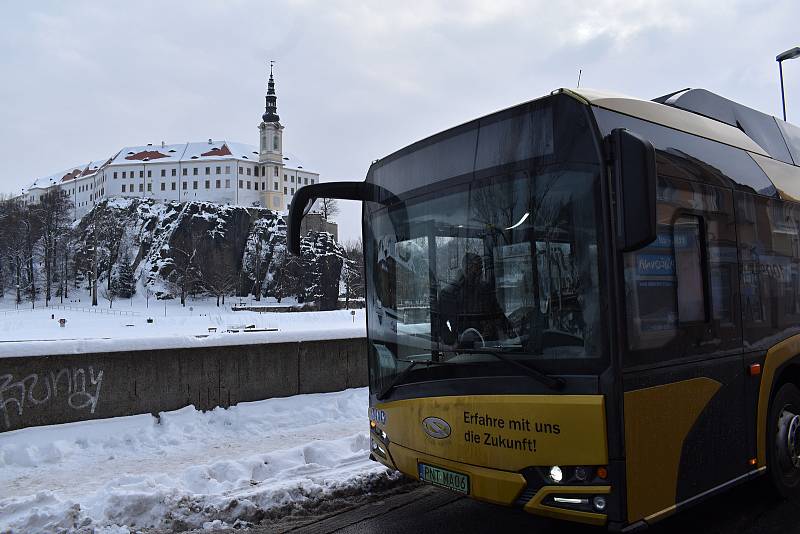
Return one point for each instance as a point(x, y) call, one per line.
point(499, 487)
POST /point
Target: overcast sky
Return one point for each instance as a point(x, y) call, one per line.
point(355, 80)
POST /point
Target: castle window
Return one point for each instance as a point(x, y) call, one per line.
point(141, 174)
point(248, 171)
point(174, 172)
point(219, 170)
point(208, 171)
point(115, 175)
point(218, 183)
point(185, 171)
point(123, 188)
point(248, 182)
point(185, 185)
point(276, 170)
point(123, 174)
point(141, 188)
point(255, 186)
point(163, 172)
point(149, 174)
point(275, 186)
point(285, 190)
point(275, 142)
point(312, 181)
point(163, 186)
point(208, 184)
point(255, 171)
point(173, 186)
point(194, 171)
point(194, 184)
point(241, 170)
point(150, 187)
point(241, 184)
point(227, 169)
point(227, 184)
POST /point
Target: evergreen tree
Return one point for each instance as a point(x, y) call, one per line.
point(124, 284)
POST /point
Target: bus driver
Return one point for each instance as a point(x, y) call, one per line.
point(470, 314)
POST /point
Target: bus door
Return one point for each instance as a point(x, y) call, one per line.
point(685, 430)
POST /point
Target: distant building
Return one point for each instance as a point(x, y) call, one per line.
point(316, 223)
point(221, 171)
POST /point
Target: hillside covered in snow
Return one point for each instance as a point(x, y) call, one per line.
point(167, 250)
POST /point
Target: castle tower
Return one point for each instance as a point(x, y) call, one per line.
point(271, 148)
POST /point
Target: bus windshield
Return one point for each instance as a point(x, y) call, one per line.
point(508, 263)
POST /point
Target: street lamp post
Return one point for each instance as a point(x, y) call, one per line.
point(789, 54)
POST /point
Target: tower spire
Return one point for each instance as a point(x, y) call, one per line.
point(271, 113)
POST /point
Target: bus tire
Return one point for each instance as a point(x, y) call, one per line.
point(783, 441)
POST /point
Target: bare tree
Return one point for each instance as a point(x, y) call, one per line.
point(328, 207)
point(184, 273)
point(30, 229)
point(52, 214)
point(353, 271)
point(284, 275)
point(218, 284)
point(13, 231)
point(111, 232)
point(109, 294)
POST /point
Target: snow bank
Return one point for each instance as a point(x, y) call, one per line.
point(189, 469)
point(34, 333)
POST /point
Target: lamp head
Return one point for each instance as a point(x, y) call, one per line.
point(789, 54)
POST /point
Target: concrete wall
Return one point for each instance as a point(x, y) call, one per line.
point(47, 390)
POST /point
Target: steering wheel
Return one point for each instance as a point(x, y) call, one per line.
point(472, 331)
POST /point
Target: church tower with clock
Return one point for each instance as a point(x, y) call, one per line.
point(271, 140)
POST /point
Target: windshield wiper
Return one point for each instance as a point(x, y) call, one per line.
point(553, 382)
point(402, 376)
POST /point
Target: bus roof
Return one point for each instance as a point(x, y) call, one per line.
point(672, 117)
point(694, 111)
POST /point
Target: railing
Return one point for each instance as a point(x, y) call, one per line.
point(102, 311)
point(20, 310)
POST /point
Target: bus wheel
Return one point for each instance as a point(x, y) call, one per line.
point(784, 449)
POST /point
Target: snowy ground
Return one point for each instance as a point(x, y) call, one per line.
point(190, 469)
point(29, 332)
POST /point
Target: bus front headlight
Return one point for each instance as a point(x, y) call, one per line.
point(599, 503)
point(556, 475)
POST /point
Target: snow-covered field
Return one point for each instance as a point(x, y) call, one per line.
point(125, 326)
point(190, 469)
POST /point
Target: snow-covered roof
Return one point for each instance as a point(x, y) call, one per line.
point(196, 151)
point(140, 154)
point(184, 153)
point(187, 152)
point(68, 174)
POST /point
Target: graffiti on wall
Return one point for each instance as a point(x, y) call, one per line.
point(77, 388)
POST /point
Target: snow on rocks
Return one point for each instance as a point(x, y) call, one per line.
point(188, 469)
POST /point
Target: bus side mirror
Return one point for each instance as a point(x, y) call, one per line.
point(305, 197)
point(635, 179)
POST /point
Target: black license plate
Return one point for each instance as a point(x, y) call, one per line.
point(451, 480)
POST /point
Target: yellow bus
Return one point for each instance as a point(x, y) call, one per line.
point(586, 306)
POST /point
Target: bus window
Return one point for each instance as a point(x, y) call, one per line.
point(689, 269)
point(680, 290)
point(770, 253)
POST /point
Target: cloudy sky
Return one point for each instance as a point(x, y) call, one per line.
point(355, 80)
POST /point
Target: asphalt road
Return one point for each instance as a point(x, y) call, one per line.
point(748, 509)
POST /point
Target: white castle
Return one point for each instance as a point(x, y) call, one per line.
point(223, 171)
